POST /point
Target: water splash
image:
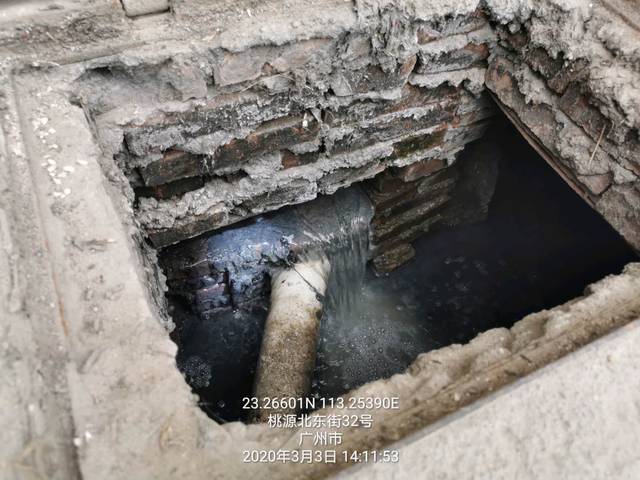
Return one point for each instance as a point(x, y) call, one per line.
point(347, 249)
point(368, 331)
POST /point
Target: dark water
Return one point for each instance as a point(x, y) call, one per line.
point(220, 314)
point(540, 246)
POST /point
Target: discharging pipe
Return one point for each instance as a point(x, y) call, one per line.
point(288, 352)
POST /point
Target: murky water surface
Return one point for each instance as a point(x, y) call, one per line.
point(540, 247)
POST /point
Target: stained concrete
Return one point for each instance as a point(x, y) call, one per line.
point(97, 394)
point(578, 418)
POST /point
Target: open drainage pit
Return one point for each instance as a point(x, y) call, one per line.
point(222, 171)
point(538, 245)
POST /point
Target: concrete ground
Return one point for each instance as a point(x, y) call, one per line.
point(578, 418)
point(90, 389)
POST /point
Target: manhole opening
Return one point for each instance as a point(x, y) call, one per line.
point(537, 245)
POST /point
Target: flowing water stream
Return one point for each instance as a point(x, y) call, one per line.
point(539, 247)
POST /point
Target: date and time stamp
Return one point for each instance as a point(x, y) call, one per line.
point(320, 435)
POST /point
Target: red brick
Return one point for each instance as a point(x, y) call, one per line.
point(543, 63)
point(290, 159)
point(387, 191)
point(417, 143)
point(577, 107)
point(411, 203)
point(393, 258)
point(173, 165)
point(557, 73)
point(420, 169)
point(172, 189)
point(269, 137)
point(411, 230)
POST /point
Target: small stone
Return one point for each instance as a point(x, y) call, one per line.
point(69, 168)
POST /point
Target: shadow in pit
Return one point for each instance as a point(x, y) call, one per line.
point(540, 246)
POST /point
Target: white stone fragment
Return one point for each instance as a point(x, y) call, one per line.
point(133, 8)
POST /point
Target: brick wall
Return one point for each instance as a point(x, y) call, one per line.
point(210, 132)
point(426, 195)
point(569, 85)
point(210, 136)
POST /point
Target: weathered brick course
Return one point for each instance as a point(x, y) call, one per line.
point(573, 124)
point(371, 79)
point(168, 129)
point(420, 169)
point(173, 165)
point(171, 189)
point(469, 56)
point(393, 258)
point(242, 129)
point(270, 136)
